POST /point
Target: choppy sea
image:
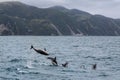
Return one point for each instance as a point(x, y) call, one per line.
point(19, 62)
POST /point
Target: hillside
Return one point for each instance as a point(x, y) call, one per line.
point(17, 18)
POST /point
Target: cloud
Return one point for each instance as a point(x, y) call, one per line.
point(42, 3)
point(108, 8)
point(4, 0)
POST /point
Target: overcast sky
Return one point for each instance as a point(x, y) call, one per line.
point(109, 8)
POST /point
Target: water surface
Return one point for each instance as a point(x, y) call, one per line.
point(18, 62)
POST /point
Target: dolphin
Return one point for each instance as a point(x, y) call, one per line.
point(54, 61)
point(65, 64)
point(39, 51)
point(94, 66)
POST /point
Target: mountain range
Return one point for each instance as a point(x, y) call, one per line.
point(17, 18)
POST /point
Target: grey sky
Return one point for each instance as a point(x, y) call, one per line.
point(109, 8)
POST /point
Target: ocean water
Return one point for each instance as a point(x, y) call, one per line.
point(19, 62)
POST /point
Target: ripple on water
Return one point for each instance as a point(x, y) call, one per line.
point(74, 71)
point(23, 72)
point(6, 78)
point(15, 60)
point(103, 74)
point(11, 69)
point(104, 58)
point(90, 57)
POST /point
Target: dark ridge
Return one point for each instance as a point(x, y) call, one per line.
point(17, 18)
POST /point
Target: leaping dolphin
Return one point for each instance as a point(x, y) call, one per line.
point(54, 61)
point(65, 64)
point(39, 51)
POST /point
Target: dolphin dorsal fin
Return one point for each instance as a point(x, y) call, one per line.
point(55, 58)
point(31, 47)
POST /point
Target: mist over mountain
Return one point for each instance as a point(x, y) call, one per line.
point(17, 18)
